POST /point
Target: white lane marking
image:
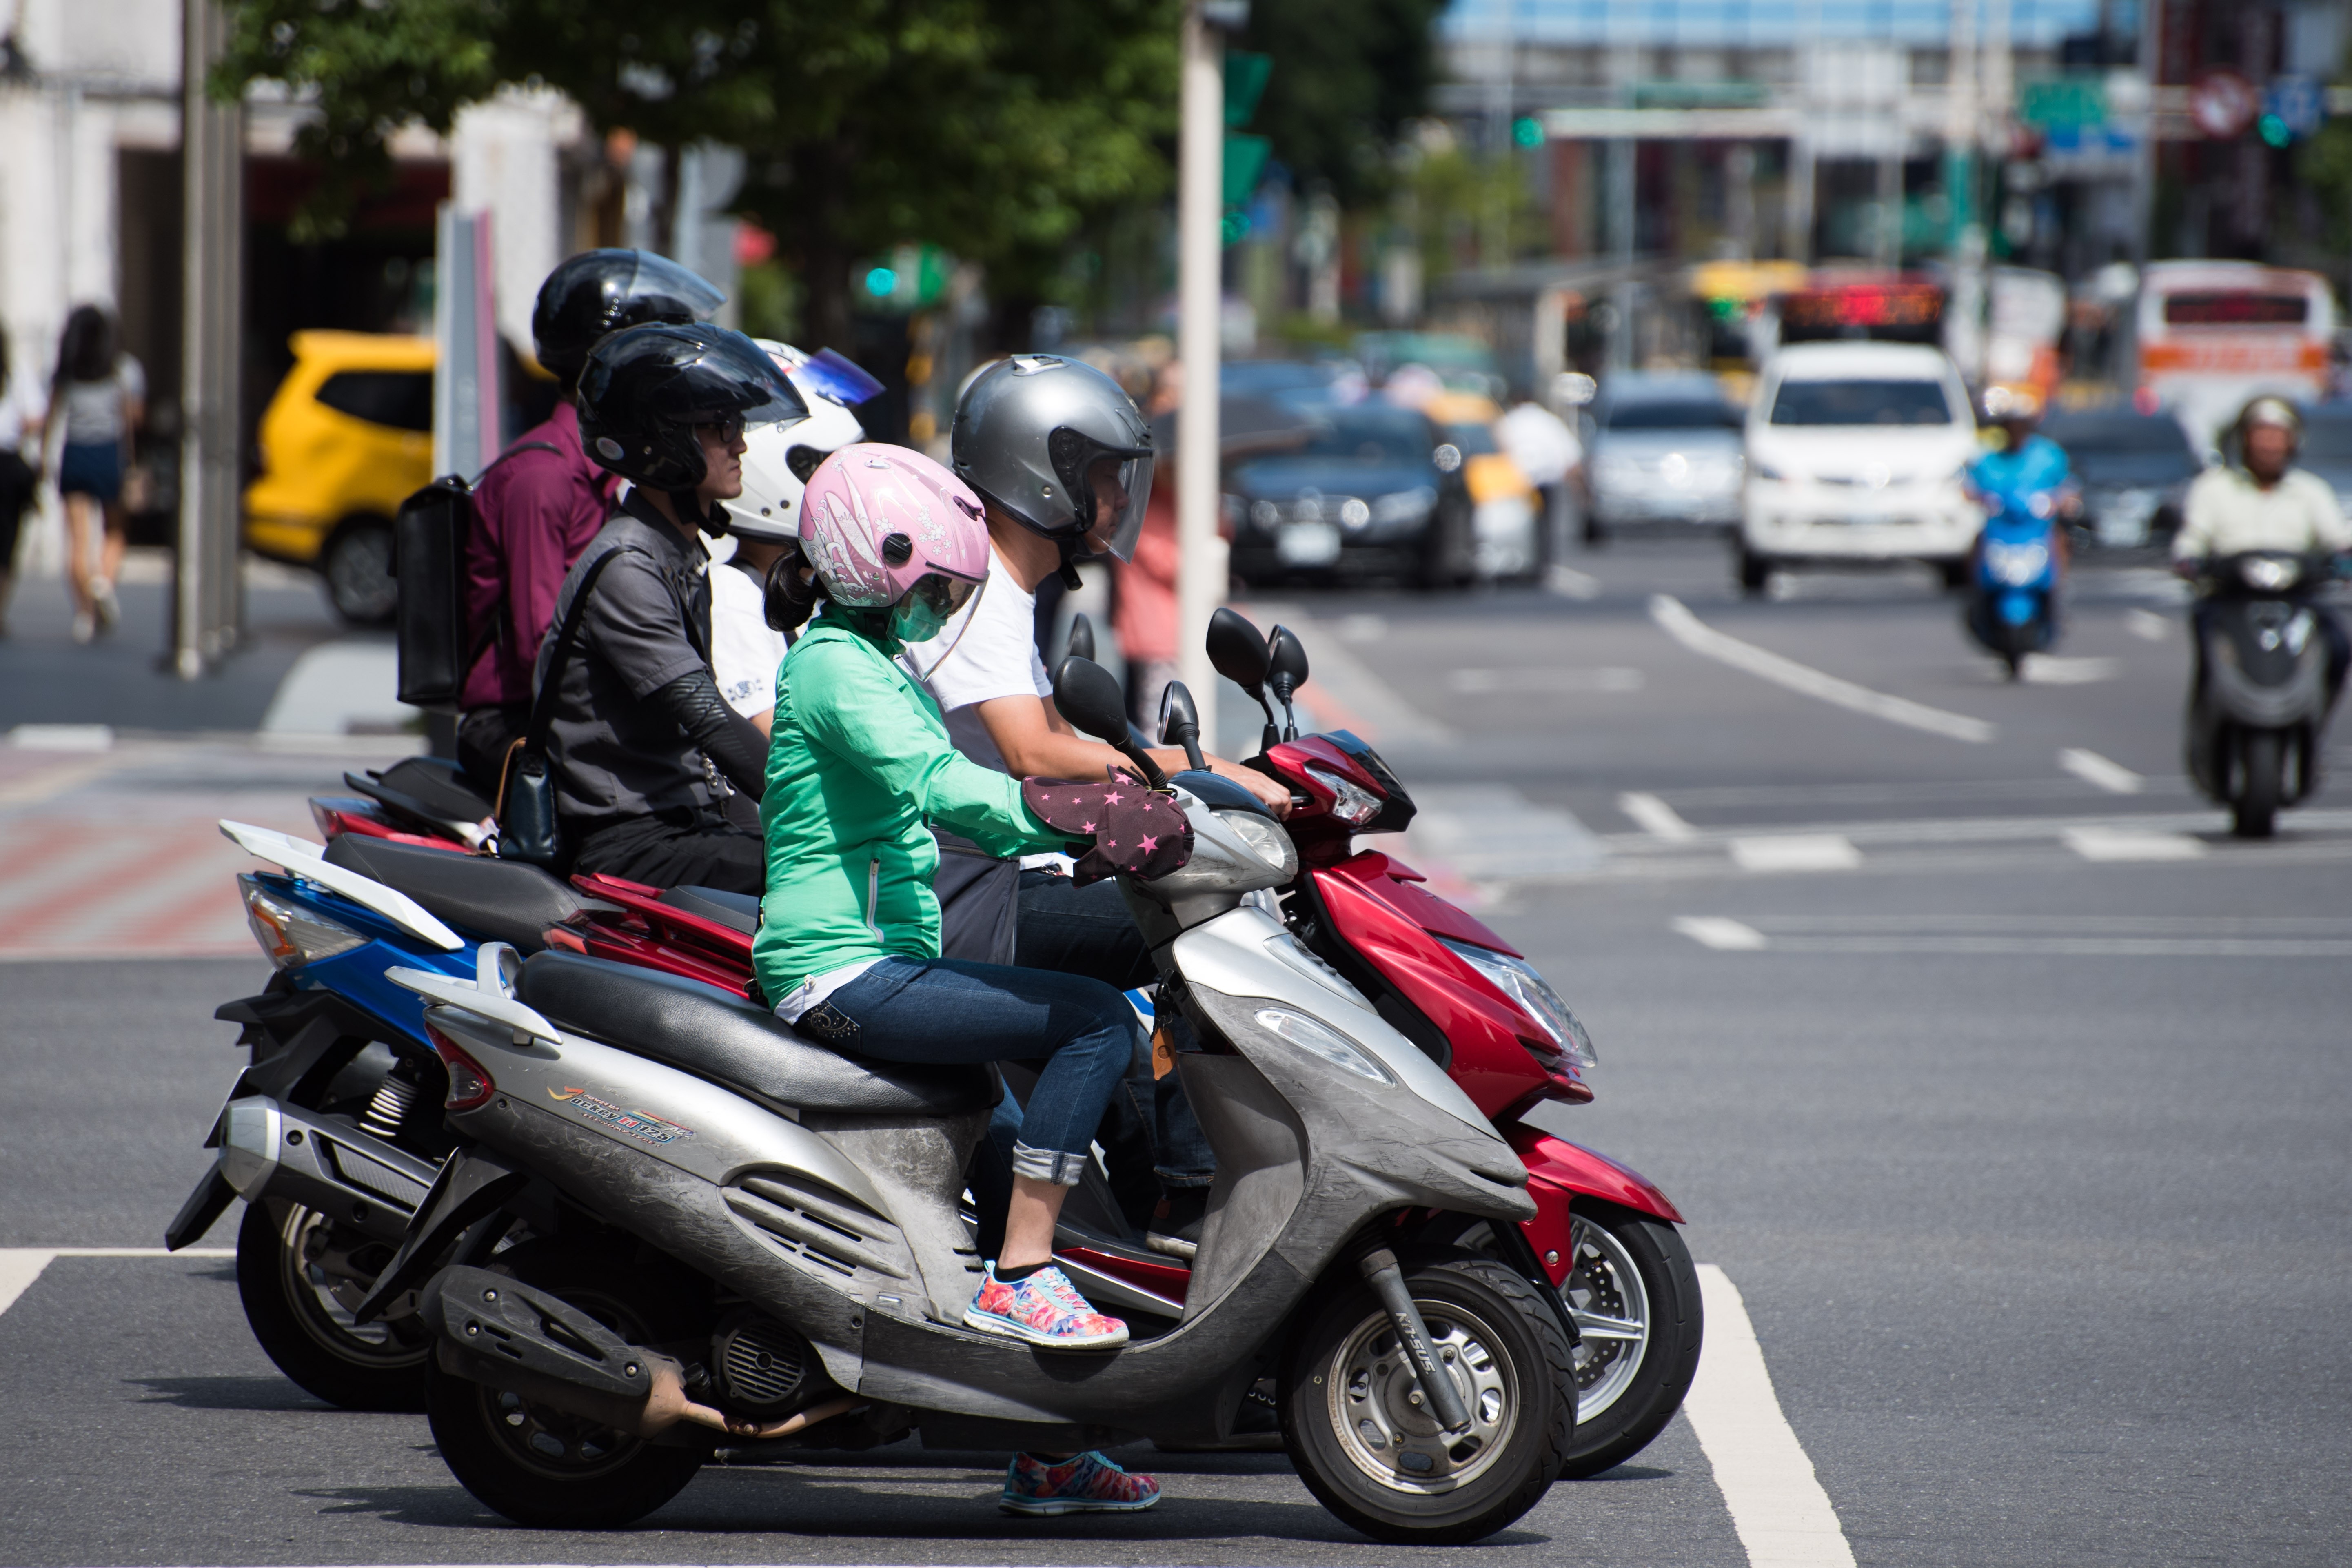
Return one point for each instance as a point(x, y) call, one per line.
point(1348, 683)
point(1796, 852)
point(1363, 627)
point(2049, 669)
point(1655, 817)
point(1721, 933)
point(338, 685)
point(62, 737)
point(1570, 583)
point(1675, 618)
point(21, 1265)
point(2120, 844)
point(1493, 831)
point(1606, 678)
point(1784, 1518)
point(2093, 768)
point(2146, 625)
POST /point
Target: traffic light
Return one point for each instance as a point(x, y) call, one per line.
point(1245, 156)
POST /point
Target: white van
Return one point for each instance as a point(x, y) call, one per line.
point(1856, 453)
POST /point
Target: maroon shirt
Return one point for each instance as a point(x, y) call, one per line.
point(534, 513)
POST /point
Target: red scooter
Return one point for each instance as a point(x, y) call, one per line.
point(1603, 1237)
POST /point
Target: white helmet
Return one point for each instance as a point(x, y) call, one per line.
point(779, 459)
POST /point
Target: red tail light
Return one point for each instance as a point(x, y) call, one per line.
point(470, 1084)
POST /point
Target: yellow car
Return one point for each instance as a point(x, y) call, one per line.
point(1504, 507)
point(347, 438)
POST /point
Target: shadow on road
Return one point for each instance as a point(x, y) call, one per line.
point(227, 1393)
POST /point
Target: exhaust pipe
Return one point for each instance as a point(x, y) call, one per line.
point(503, 1334)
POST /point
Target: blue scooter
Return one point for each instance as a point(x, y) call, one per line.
point(2012, 607)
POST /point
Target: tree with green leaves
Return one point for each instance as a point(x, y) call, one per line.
point(991, 128)
point(1346, 74)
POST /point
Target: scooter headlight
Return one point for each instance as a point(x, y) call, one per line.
point(1266, 840)
point(1517, 979)
point(1351, 802)
point(2269, 573)
point(292, 936)
point(1319, 1039)
point(2016, 566)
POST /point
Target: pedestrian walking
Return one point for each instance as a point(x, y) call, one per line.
point(99, 395)
point(20, 415)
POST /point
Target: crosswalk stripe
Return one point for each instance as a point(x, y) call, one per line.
point(2094, 769)
point(21, 1267)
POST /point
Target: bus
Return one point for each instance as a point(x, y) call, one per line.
point(2214, 334)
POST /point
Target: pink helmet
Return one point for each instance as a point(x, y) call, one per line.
point(876, 519)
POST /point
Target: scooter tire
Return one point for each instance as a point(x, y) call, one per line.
point(1625, 1426)
point(2262, 764)
point(544, 1470)
point(1509, 1356)
point(300, 1333)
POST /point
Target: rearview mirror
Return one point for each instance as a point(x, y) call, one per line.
point(1287, 660)
point(1089, 697)
point(1237, 652)
point(1180, 724)
point(1082, 639)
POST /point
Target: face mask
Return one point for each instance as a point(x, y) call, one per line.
point(916, 619)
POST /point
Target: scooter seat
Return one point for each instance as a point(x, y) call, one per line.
point(504, 900)
point(718, 1035)
point(735, 911)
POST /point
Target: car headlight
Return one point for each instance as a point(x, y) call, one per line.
point(1265, 513)
point(1350, 803)
point(1266, 840)
point(1517, 979)
point(290, 936)
point(1405, 506)
point(1760, 470)
point(1319, 1039)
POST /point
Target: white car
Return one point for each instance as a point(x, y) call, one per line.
point(1856, 453)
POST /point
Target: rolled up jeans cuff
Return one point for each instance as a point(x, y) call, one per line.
point(1048, 1165)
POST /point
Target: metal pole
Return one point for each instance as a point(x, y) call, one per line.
point(207, 595)
point(1199, 251)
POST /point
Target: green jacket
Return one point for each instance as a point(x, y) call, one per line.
point(858, 768)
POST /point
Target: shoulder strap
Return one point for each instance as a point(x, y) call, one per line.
point(516, 450)
point(543, 706)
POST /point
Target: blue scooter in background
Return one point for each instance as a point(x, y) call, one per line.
point(2020, 558)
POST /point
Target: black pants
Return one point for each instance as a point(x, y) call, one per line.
point(675, 850)
point(16, 482)
point(483, 736)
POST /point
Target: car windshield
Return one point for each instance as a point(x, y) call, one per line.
point(2141, 447)
point(1472, 440)
point(1682, 414)
point(1860, 401)
point(1371, 435)
point(1257, 378)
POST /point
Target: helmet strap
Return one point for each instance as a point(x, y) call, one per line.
point(1070, 578)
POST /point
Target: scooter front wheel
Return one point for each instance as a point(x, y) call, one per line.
point(300, 1275)
point(1361, 1432)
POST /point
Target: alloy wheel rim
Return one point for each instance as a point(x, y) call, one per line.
point(1611, 1309)
point(1384, 1421)
point(326, 1287)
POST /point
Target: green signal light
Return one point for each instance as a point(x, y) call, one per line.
point(1236, 228)
point(2274, 131)
point(1528, 130)
point(881, 281)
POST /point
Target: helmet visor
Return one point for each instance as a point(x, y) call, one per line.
point(836, 378)
point(659, 290)
point(1108, 488)
point(734, 378)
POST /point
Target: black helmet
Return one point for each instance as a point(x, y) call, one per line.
point(644, 389)
point(600, 291)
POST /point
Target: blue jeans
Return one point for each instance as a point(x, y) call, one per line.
point(946, 1010)
point(1089, 930)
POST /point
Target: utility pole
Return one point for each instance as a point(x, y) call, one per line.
point(1200, 265)
point(1963, 131)
point(208, 599)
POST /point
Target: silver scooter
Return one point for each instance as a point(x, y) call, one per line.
point(739, 1237)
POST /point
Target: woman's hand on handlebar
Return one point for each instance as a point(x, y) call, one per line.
point(1271, 792)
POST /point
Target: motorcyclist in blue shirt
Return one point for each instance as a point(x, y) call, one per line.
point(2026, 462)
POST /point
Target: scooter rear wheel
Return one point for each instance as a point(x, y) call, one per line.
point(300, 1275)
point(543, 1468)
point(2263, 777)
point(1360, 1432)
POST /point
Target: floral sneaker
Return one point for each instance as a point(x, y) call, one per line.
point(1045, 1309)
point(1086, 1484)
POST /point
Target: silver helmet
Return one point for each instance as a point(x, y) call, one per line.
point(1057, 444)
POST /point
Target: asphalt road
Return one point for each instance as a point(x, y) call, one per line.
point(2016, 1121)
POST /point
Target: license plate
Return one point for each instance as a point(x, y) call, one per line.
point(1307, 544)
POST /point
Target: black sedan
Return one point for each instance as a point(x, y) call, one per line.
point(1369, 491)
point(2134, 470)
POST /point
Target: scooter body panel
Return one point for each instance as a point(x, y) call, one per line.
point(1561, 1171)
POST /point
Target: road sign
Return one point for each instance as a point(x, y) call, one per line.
point(2223, 104)
point(2066, 102)
point(2299, 103)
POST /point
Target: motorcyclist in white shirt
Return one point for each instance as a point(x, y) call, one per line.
point(747, 641)
point(2264, 503)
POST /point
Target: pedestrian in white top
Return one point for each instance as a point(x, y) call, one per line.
point(99, 396)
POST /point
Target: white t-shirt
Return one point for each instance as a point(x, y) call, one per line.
point(744, 649)
point(94, 412)
point(987, 650)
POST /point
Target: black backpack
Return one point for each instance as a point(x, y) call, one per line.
point(428, 560)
